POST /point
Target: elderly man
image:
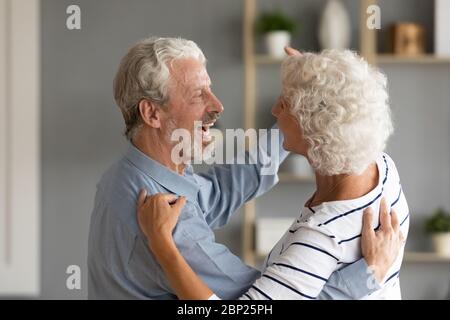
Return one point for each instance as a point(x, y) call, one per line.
point(162, 85)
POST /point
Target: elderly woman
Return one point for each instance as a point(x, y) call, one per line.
point(334, 111)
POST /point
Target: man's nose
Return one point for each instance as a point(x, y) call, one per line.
point(215, 105)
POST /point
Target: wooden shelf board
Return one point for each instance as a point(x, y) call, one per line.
point(422, 59)
point(424, 257)
point(266, 59)
point(380, 58)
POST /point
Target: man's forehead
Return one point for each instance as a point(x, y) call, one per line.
point(189, 72)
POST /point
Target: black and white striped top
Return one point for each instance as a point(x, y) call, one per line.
point(326, 238)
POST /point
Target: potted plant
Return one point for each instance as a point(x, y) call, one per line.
point(277, 29)
point(438, 225)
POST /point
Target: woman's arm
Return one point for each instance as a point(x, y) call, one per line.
point(157, 216)
point(185, 282)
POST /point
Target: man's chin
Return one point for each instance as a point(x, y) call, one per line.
point(208, 150)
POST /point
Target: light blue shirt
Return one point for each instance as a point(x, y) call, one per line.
point(120, 264)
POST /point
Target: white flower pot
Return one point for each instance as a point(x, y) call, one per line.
point(441, 243)
point(276, 41)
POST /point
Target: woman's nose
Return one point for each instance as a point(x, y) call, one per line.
point(276, 110)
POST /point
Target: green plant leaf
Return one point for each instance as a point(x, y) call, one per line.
point(439, 221)
point(275, 21)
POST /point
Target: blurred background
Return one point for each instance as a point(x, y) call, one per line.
point(64, 89)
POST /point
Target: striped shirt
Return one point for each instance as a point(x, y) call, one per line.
point(326, 238)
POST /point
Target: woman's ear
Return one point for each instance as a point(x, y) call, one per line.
point(150, 113)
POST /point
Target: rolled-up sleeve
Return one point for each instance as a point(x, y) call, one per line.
point(351, 282)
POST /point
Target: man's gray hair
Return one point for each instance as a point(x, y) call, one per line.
point(144, 74)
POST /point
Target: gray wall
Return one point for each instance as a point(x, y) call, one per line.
point(81, 126)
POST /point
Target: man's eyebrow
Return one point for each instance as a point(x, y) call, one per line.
point(195, 90)
point(201, 87)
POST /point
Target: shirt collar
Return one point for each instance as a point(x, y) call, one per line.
point(183, 185)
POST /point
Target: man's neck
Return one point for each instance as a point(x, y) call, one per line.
point(158, 149)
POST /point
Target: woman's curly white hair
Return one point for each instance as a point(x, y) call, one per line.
point(341, 103)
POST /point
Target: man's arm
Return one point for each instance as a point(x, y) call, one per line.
point(379, 250)
point(231, 185)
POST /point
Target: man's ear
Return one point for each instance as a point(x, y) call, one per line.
point(150, 113)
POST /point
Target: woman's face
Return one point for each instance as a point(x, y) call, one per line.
point(289, 126)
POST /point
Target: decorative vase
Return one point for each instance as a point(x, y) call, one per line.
point(276, 41)
point(441, 243)
point(334, 27)
point(407, 39)
point(441, 27)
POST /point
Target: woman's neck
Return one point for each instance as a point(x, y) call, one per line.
point(343, 186)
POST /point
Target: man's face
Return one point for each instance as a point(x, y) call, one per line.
point(190, 100)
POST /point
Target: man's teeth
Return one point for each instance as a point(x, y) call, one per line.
point(206, 134)
point(206, 127)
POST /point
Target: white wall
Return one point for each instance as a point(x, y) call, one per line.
point(19, 147)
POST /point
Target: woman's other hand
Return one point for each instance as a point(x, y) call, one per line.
point(158, 214)
point(292, 52)
point(381, 248)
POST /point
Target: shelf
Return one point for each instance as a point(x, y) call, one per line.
point(286, 177)
point(368, 47)
point(266, 59)
point(422, 59)
point(381, 58)
point(424, 257)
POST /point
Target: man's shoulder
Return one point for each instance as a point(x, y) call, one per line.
point(121, 168)
point(123, 176)
point(119, 187)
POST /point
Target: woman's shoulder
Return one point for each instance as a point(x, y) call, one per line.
point(334, 219)
point(391, 168)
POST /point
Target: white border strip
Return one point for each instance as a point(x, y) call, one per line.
point(20, 275)
point(4, 76)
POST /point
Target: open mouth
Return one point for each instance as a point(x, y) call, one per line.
point(206, 134)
